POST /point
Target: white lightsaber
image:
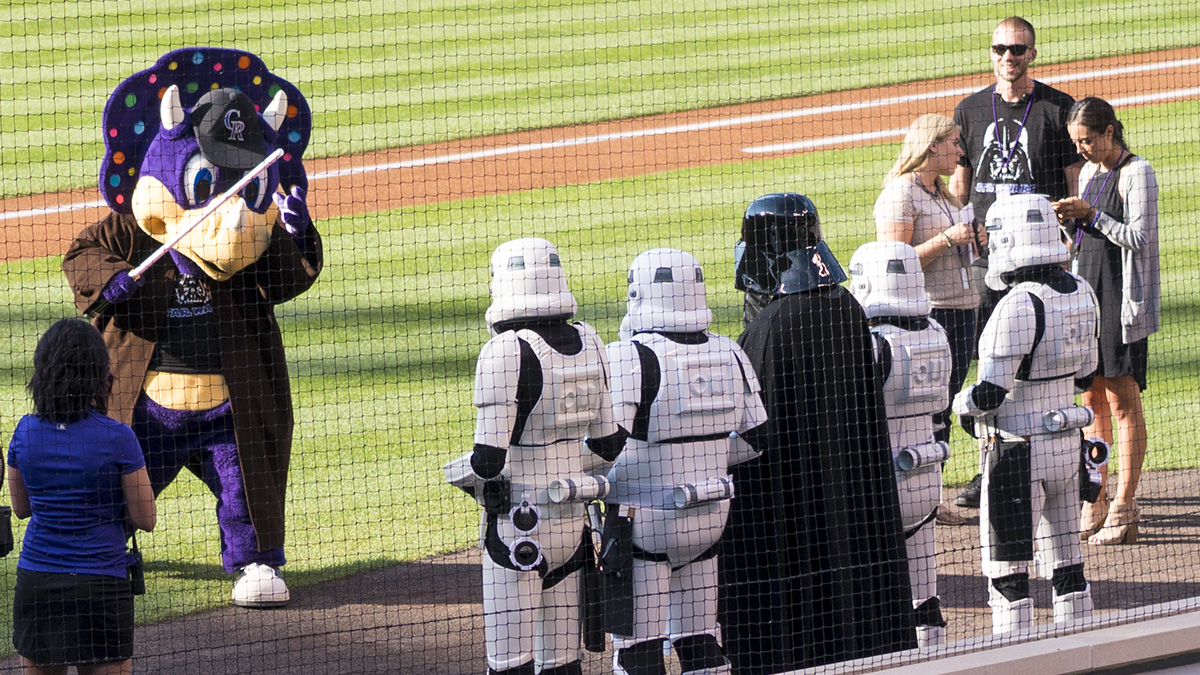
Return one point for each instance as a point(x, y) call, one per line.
point(137, 272)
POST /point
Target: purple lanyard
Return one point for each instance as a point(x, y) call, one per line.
point(1088, 191)
point(996, 127)
point(942, 203)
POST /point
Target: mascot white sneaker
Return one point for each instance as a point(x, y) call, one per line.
point(260, 586)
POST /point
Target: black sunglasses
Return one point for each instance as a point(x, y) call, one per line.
point(1017, 50)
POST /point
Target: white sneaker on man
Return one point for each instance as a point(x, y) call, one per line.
point(259, 586)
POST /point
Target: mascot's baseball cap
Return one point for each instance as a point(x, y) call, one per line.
point(229, 129)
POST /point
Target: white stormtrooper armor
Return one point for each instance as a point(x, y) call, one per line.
point(1041, 336)
point(533, 536)
point(1022, 232)
point(685, 394)
point(528, 282)
point(914, 352)
point(886, 279)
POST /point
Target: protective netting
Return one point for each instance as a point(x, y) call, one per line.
point(376, 323)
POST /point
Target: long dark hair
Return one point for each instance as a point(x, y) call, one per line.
point(1096, 115)
point(70, 372)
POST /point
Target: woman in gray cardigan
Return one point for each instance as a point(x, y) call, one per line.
point(1113, 226)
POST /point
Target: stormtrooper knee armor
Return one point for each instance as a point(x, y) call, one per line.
point(540, 391)
point(914, 356)
point(1039, 341)
point(685, 394)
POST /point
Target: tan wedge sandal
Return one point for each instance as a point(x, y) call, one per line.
point(1092, 518)
point(1120, 527)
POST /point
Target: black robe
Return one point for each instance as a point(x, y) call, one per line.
point(814, 568)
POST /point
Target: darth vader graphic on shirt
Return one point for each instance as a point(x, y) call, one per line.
point(192, 298)
point(1004, 166)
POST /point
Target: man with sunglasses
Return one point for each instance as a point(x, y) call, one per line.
point(1014, 138)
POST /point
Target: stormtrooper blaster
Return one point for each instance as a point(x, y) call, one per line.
point(1067, 419)
point(1095, 457)
point(582, 488)
point(924, 454)
point(711, 490)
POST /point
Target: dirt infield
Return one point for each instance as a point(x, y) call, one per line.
point(425, 618)
point(43, 225)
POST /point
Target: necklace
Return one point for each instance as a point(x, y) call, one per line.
point(996, 127)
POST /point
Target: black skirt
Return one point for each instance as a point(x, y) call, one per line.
point(1100, 264)
point(72, 619)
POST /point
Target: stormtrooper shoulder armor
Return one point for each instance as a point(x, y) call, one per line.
point(625, 363)
point(1013, 327)
point(497, 373)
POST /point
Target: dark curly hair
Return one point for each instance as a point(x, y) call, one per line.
point(70, 372)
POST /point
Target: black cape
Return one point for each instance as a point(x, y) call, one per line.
point(814, 568)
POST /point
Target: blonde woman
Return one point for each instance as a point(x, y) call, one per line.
point(916, 208)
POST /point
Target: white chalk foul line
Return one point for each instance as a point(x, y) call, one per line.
point(698, 126)
point(895, 133)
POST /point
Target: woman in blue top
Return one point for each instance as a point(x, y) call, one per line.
point(81, 477)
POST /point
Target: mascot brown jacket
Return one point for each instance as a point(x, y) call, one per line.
point(253, 361)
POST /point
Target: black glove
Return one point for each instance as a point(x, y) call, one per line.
point(967, 422)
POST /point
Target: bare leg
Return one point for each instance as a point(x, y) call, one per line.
point(1125, 401)
point(1097, 399)
point(30, 668)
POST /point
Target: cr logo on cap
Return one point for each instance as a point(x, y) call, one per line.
point(235, 125)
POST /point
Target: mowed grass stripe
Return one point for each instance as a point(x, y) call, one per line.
point(380, 77)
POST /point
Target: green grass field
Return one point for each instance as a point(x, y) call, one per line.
point(382, 350)
point(381, 77)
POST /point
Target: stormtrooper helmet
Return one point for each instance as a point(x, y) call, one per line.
point(1022, 232)
point(666, 293)
point(782, 250)
point(886, 279)
point(528, 283)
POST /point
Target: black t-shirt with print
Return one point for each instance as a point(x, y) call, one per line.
point(189, 344)
point(1005, 156)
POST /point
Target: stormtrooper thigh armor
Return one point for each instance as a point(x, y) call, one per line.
point(674, 474)
point(534, 611)
point(1009, 534)
point(920, 493)
point(675, 580)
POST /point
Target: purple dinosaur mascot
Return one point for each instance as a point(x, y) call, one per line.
point(198, 361)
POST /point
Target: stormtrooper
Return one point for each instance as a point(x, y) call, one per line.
point(1038, 348)
point(544, 435)
point(687, 396)
point(913, 354)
